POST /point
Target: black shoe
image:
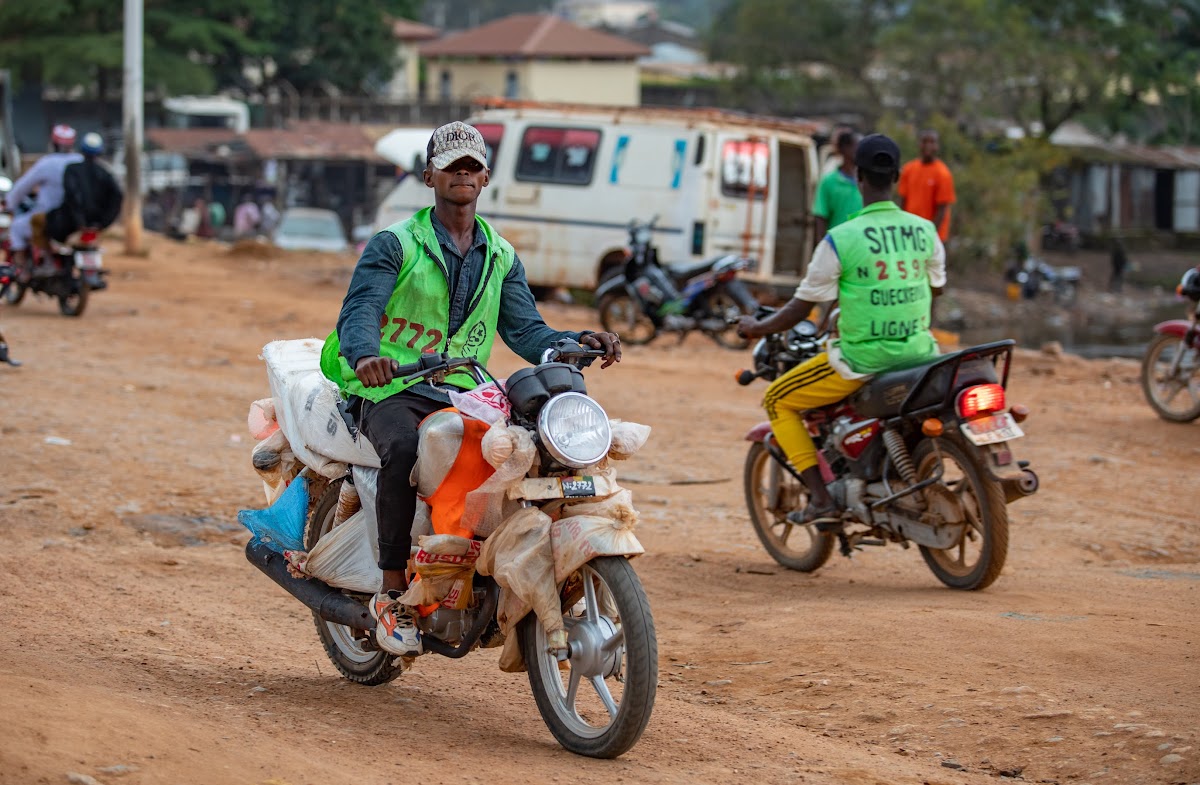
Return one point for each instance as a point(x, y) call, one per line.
point(827, 518)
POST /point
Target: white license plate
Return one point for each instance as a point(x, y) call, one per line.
point(990, 430)
point(88, 260)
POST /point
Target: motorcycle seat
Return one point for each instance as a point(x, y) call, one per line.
point(685, 272)
point(886, 392)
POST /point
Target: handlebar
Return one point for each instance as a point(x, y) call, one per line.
point(438, 366)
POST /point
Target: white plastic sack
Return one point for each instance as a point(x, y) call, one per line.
point(486, 402)
point(484, 507)
point(627, 439)
point(521, 558)
point(347, 556)
point(306, 407)
point(444, 565)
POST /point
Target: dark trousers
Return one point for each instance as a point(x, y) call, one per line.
point(391, 427)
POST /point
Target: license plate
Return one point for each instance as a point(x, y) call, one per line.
point(578, 486)
point(990, 430)
point(88, 260)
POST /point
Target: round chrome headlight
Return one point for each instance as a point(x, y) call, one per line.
point(574, 429)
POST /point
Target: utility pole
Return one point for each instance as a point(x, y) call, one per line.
point(132, 123)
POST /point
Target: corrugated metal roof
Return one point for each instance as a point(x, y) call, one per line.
point(534, 35)
point(313, 141)
point(189, 141)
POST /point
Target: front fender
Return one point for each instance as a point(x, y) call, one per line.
point(615, 284)
point(759, 432)
point(578, 539)
point(1175, 327)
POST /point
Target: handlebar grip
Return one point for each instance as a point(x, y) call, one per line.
point(407, 370)
point(745, 377)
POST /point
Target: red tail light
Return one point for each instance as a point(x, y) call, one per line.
point(88, 237)
point(981, 399)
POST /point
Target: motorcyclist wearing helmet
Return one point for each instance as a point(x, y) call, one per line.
point(92, 199)
point(46, 176)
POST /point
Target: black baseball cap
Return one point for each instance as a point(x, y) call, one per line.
point(877, 153)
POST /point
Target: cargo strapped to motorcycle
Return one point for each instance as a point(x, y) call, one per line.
point(916, 400)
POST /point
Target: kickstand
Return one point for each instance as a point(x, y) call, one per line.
point(844, 545)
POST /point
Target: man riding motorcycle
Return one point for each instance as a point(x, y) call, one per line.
point(91, 196)
point(884, 267)
point(442, 281)
point(46, 176)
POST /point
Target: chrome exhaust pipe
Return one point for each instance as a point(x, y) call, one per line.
point(1020, 487)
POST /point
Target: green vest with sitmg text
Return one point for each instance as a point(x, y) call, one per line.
point(884, 290)
point(417, 316)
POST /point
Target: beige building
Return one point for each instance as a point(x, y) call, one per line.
point(406, 81)
point(534, 57)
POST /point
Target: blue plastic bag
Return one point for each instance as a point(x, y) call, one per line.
point(281, 526)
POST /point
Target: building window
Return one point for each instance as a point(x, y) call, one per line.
point(491, 133)
point(511, 86)
point(444, 89)
point(558, 155)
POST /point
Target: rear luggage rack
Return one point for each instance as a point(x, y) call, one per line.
point(956, 361)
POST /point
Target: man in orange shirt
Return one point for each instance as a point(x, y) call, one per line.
point(926, 186)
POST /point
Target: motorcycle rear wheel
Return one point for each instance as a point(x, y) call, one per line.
point(613, 647)
point(621, 314)
point(769, 509)
point(1161, 392)
point(14, 292)
point(987, 516)
point(343, 645)
point(72, 304)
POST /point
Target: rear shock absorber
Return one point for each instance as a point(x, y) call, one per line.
point(899, 455)
point(348, 502)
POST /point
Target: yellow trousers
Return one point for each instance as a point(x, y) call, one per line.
point(809, 385)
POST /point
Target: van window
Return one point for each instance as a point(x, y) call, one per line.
point(558, 155)
point(491, 133)
point(744, 162)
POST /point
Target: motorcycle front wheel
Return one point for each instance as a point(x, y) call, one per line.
point(623, 315)
point(345, 647)
point(976, 560)
point(600, 703)
point(14, 292)
point(1173, 394)
point(771, 493)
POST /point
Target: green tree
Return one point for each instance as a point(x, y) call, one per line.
point(338, 43)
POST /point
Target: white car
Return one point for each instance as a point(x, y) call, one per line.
point(311, 229)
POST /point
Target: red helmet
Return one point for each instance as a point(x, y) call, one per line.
point(63, 135)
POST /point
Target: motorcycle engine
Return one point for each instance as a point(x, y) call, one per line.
point(649, 293)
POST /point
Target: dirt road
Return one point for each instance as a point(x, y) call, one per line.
point(130, 639)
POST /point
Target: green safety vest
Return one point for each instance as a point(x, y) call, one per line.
point(884, 289)
point(417, 316)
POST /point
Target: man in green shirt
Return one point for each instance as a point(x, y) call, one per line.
point(837, 194)
point(884, 266)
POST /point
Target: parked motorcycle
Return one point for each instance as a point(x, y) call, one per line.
point(919, 455)
point(1034, 276)
point(645, 298)
point(558, 534)
point(1171, 367)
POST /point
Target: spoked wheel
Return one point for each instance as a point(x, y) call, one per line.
point(346, 647)
point(14, 292)
point(1171, 379)
point(623, 315)
point(723, 305)
point(73, 303)
point(771, 493)
point(599, 701)
point(975, 561)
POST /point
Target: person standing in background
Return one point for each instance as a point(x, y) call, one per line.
point(246, 217)
point(838, 197)
point(926, 186)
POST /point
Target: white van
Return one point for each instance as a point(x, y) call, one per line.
point(567, 180)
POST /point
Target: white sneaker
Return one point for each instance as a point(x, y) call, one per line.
point(395, 633)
